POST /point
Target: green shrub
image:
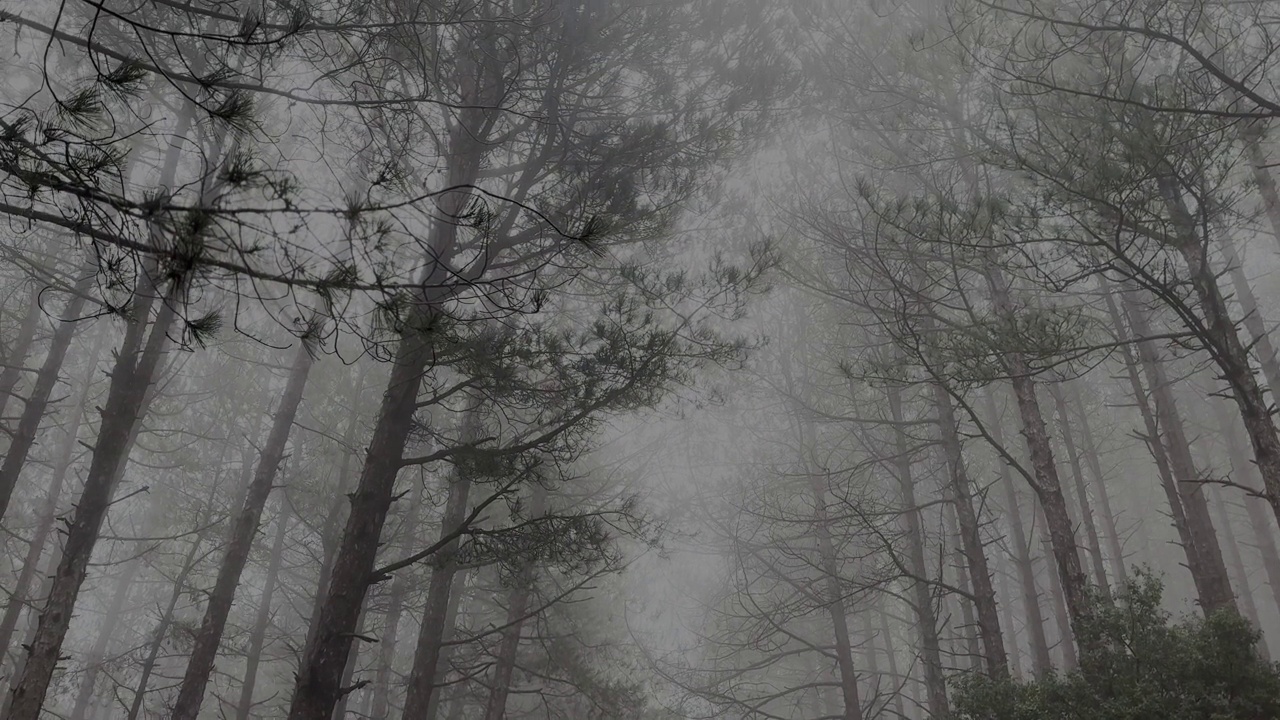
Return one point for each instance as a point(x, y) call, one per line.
point(1140, 665)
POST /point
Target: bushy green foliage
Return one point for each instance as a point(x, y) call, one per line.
point(1141, 665)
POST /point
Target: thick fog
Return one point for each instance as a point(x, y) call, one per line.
point(639, 360)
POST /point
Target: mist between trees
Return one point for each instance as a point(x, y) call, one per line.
point(615, 360)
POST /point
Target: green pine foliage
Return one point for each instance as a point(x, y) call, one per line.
point(1146, 666)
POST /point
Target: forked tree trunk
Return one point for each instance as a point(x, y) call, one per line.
point(1082, 494)
point(921, 596)
point(1041, 663)
point(258, 636)
point(1093, 458)
point(21, 593)
point(33, 411)
point(994, 658)
point(426, 656)
point(1213, 585)
point(1047, 486)
point(240, 543)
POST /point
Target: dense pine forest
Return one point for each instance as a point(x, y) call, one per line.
point(639, 359)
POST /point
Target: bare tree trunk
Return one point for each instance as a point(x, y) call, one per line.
point(348, 673)
point(1228, 352)
point(166, 619)
point(446, 650)
point(1214, 585)
point(967, 645)
point(517, 608)
point(1059, 602)
point(1254, 322)
point(1040, 660)
point(1253, 137)
point(921, 597)
point(890, 649)
point(1047, 486)
point(240, 543)
point(387, 644)
point(835, 604)
point(1009, 623)
point(33, 411)
point(994, 657)
point(16, 358)
point(1082, 495)
point(258, 638)
point(426, 656)
point(21, 593)
point(1241, 579)
point(1093, 459)
point(1260, 522)
point(98, 654)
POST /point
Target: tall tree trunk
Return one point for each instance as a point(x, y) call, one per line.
point(1253, 137)
point(21, 593)
point(348, 673)
point(1058, 599)
point(1041, 663)
point(16, 357)
point(258, 637)
point(966, 645)
point(891, 653)
point(130, 380)
point(1261, 523)
point(426, 656)
point(1046, 485)
point(1093, 458)
point(1227, 350)
point(921, 596)
point(388, 644)
point(446, 651)
point(1082, 494)
point(1214, 585)
point(1254, 321)
point(835, 603)
point(107, 630)
point(994, 657)
point(1241, 579)
point(33, 412)
point(240, 543)
point(166, 619)
point(1009, 624)
point(517, 608)
point(325, 656)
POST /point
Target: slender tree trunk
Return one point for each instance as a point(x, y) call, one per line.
point(995, 659)
point(967, 645)
point(517, 608)
point(388, 643)
point(921, 597)
point(835, 604)
point(1230, 354)
point(1260, 522)
point(1093, 459)
point(21, 593)
point(166, 620)
point(1041, 663)
point(1047, 486)
point(1057, 598)
point(1082, 494)
point(446, 651)
point(258, 638)
point(242, 532)
point(98, 654)
point(1241, 576)
point(426, 656)
point(1254, 321)
point(130, 381)
point(890, 650)
point(1266, 183)
point(1009, 623)
point(348, 673)
point(15, 360)
point(33, 412)
point(1215, 584)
